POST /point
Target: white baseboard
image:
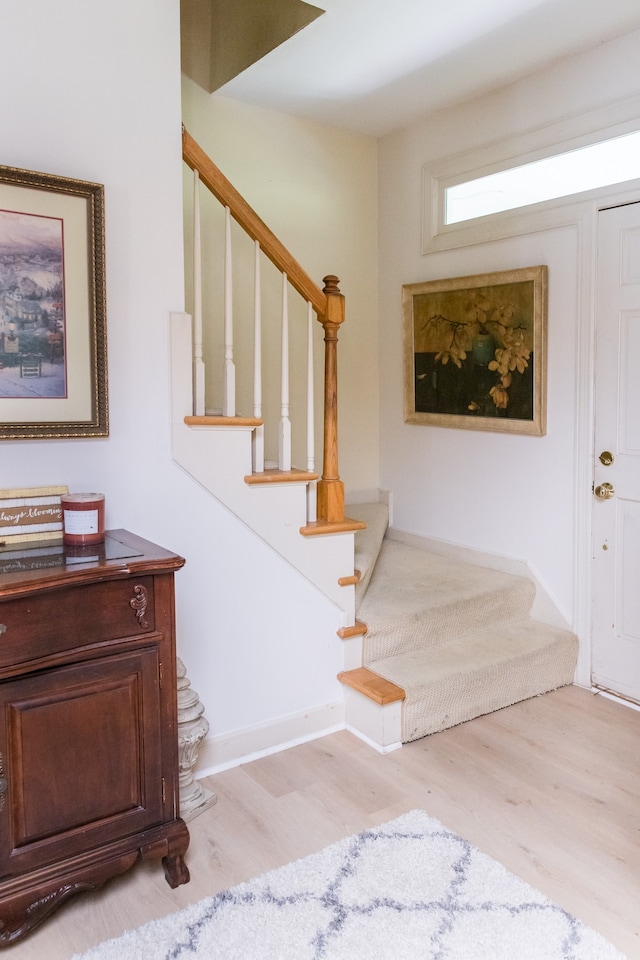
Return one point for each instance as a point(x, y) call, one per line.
point(250, 743)
point(457, 552)
point(544, 607)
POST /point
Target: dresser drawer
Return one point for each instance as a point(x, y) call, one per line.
point(37, 626)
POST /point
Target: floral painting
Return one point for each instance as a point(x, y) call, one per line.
point(475, 351)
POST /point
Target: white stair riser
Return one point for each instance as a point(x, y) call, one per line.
point(380, 725)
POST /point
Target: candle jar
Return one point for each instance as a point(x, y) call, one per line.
point(83, 518)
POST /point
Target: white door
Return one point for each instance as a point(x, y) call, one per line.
point(616, 503)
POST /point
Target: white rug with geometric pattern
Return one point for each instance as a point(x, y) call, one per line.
point(407, 890)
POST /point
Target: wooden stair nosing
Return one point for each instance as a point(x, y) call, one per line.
point(207, 421)
point(372, 685)
point(321, 527)
point(358, 629)
point(273, 475)
point(350, 581)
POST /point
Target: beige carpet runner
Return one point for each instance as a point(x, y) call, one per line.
point(458, 638)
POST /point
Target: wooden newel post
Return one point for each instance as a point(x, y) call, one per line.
point(330, 487)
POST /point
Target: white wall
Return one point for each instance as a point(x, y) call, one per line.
point(97, 97)
point(514, 496)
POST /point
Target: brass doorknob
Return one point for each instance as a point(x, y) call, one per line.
point(604, 491)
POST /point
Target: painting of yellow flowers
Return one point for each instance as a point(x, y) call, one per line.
point(475, 351)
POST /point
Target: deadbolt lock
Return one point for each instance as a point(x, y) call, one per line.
point(604, 491)
point(606, 458)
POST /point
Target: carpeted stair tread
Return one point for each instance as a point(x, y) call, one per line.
point(466, 677)
point(455, 636)
point(367, 542)
point(416, 598)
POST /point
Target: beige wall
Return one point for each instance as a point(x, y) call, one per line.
point(316, 188)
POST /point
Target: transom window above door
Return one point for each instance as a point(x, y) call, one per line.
point(597, 165)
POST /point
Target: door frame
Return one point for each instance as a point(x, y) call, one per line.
point(583, 216)
point(586, 223)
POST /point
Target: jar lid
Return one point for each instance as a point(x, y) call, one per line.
point(81, 497)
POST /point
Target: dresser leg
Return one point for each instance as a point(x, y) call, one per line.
point(175, 870)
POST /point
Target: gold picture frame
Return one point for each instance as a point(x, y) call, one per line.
point(53, 349)
point(475, 351)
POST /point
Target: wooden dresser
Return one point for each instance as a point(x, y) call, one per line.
point(88, 738)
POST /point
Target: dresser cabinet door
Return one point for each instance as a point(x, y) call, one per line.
point(81, 758)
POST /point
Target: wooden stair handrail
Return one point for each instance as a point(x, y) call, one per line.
point(328, 304)
point(224, 191)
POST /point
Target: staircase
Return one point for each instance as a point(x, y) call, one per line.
point(445, 640)
point(428, 642)
point(218, 453)
point(238, 418)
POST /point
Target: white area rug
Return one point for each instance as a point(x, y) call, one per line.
point(408, 890)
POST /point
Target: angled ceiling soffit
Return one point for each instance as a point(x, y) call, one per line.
point(221, 38)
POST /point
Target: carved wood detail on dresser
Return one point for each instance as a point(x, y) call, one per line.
point(88, 724)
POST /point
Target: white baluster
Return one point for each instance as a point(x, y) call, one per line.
point(258, 433)
point(229, 380)
point(284, 445)
point(198, 365)
point(311, 487)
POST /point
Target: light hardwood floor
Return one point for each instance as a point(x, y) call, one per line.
point(550, 787)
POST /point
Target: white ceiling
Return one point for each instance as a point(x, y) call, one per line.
point(374, 65)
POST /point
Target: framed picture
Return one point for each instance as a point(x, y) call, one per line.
point(475, 351)
point(53, 350)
